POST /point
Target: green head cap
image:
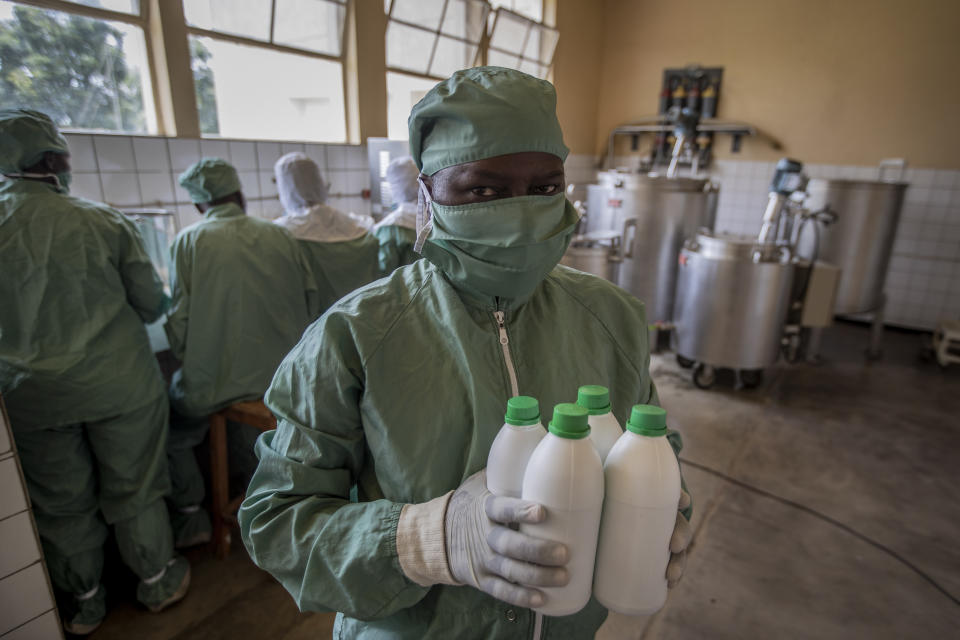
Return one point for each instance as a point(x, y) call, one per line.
point(482, 113)
point(594, 398)
point(648, 420)
point(25, 136)
point(522, 411)
point(570, 421)
point(209, 180)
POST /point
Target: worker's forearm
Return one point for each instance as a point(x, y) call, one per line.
point(330, 554)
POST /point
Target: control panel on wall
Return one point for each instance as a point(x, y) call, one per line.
point(692, 92)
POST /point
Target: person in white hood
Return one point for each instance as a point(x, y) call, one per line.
point(397, 232)
point(338, 245)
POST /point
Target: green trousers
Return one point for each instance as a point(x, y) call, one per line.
point(84, 477)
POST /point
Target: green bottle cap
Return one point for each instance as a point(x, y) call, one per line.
point(570, 421)
point(594, 398)
point(648, 420)
point(522, 411)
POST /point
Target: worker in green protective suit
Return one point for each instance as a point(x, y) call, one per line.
point(82, 386)
point(338, 245)
point(397, 232)
point(242, 295)
point(398, 391)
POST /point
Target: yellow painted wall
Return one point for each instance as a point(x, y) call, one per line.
point(576, 69)
point(836, 81)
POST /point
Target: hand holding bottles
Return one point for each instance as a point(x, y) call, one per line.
point(682, 533)
point(483, 552)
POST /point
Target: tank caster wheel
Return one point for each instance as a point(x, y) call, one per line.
point(751, 378)
point(685, 363)
point(704, 376)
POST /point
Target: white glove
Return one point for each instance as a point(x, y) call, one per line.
point(485, 553)
point(682, 533)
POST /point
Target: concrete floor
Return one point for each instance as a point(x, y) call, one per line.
point(874, 446)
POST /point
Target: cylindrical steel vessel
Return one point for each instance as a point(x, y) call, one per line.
point(596, 254)
point(731, 305)
point(861, 239)
point(655, 216)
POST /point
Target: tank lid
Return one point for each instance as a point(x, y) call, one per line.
point(654, 181)
point(733, 247)
point(594, 398)
point(570, 421)
point(522, 411)
point(648, 420)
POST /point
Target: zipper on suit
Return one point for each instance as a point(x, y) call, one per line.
point(515, 390)
point(507, 358)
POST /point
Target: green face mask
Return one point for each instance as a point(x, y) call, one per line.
point(502, 248)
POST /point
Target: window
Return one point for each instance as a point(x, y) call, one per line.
point(105, 85)
point(428, 40)
point(403, 91)
point(434, 38)
point(532, 9)
point(521, 43)
point(269, 68)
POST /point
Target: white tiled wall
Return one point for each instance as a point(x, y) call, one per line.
point(26, 602)
point(923, 282)
point(132, 171)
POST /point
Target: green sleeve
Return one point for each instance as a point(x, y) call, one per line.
point(178, 317)
point(388, 255)
point(297, 520)
point(140, 280)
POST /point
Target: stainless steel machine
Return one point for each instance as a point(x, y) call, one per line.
point(642, 221)
point(733, 295)
point(860, 243)
point(738, 300)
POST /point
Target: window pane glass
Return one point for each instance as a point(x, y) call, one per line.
point(251, 92)
point(422, 12)
point(403, 92)
point(500, 59)
point(105, 85)
point(465, 19)
point(123, 6)
point(509, 33)
point(451, 55)
point(533, 9)
point(408, 48)
point(315, 25)
point(533, 68)
point(541, 44)
point(250, 18)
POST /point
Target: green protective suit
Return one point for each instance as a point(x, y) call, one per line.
point(82, 386)
point(396, 247)
point(399, 391)
point(344, 266)
point(243, 293)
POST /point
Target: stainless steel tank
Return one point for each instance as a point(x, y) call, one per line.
point(732, 300)
point(596, 253)
point(655, 215)
point(861, 240)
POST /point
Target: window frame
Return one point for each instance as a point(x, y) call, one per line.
point(437, 33)
point(483, 46)
point(282, 48)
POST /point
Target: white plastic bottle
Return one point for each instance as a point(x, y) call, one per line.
point(604, 428)
point(566, 477)
point(513, 446)
point(639, 513)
